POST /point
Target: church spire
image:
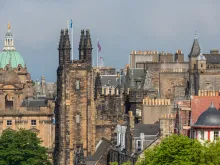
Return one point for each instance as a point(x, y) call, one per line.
point(195, 50)
point(9, 39)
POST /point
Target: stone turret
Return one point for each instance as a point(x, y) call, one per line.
point(61, 47)
point(67, 48)
point(81, 46)
point(195, 51)
point(85, 47)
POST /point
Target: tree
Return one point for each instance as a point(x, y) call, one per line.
point(175, 150)
point(125, 163)
point(22, 148)
point(212, 151)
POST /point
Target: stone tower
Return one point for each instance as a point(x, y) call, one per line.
point(193, 74)
point(75, 110)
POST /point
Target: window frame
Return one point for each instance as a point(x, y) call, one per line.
point(202, 135)
point(9, 122)
point(33, 121)
point(216, 135)
point(138, 148)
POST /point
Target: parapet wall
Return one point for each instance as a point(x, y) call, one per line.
point(208, 93)
point(151, 102)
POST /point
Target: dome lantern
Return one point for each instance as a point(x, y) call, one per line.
point(9, 39)
point(9, 54)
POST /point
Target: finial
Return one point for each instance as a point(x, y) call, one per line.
point(212, 105)
point(9, 26)
point(195, 34)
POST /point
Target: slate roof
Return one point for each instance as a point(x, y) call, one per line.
point(34, 103)
point(135, 74)
point(109, 80)
point(147, 129)
point(195, 50)
point(212, 58)
point(103, 145)
point(210, 117)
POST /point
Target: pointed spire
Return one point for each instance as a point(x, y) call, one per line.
point(88, 43)
point(195, 50)
point(81, 42)
point(67, 39)
point(61, 39)
point(81, 45)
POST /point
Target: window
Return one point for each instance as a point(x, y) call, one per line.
point(202, 135)
point(77, 119)
point(33, 122)
point(9, 122)
point(201, 65)
point(138, 145)
point(77, 84)
point(216, 135)
point(119, 139)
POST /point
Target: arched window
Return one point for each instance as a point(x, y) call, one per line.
point(8, 102)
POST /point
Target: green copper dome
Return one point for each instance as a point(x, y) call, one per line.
point(11, 57)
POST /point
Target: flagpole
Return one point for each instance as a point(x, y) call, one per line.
point(72, 38)
point(97, 57)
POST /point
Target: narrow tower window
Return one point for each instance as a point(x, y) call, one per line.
point(77, 119)
point(77, 84)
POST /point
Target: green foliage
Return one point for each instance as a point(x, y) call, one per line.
point(22, 148)
point(127, 163)
point(181, 150)
point(116, 163)
point(212, 151)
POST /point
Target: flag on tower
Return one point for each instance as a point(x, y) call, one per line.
point(71, 23)
point(99, 47)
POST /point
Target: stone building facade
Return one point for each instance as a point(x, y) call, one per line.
point(18, 107)
point(181, 79)
point(75, 107)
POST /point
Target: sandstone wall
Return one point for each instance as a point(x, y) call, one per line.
point(170, 80)
point(154, 108)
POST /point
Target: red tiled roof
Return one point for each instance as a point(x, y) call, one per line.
point(200, 104)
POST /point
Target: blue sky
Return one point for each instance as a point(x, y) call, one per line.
point(121, 26)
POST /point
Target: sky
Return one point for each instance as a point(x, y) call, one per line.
point(120, 25)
